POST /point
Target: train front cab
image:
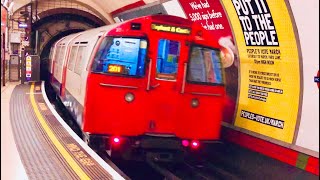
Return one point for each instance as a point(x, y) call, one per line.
point(162, 90)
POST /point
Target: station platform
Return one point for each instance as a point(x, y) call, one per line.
point(37, 144)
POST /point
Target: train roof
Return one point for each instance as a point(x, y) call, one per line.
point(166, 19)
point(160, 18)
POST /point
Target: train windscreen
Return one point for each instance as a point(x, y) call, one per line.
point(124, 56)
point(205, 66)
point(167, 59)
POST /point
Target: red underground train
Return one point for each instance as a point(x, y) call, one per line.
point(150, 85)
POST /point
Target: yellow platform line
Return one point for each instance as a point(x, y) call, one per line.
point(76, 168)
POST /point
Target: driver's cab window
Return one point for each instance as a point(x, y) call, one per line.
point(123, 56)
point(167, 59)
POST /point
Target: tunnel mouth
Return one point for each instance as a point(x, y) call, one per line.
point(48, 19)
point(44, 55)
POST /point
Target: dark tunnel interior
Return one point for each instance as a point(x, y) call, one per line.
point(44, 56)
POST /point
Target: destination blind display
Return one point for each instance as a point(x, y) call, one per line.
point(168, 28)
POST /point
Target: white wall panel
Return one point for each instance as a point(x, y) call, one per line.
point(306, 15)
point(173, 8)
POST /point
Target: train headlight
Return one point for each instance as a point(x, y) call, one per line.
point(116, 140)
point(129, 97)
point(194, 102)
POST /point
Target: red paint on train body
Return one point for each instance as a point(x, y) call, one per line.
point(107, 112)
point(173, 85)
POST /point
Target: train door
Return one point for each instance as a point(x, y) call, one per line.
point(167, 59)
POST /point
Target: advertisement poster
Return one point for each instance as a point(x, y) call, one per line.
point(211, 15)
point(3, 30)
point(269, 67)
point(3, 19)
point(28, 68)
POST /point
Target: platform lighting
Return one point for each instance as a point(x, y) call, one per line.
point(22, 25)
point(5, 3)
point(10, 6)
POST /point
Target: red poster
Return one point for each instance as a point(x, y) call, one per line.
point(3, 19)
point(211, 15)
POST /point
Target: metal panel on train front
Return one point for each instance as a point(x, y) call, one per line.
point(166, 81)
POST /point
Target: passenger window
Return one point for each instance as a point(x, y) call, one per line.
point(125, 56)
point(61, 55)
point(56, 57)
point(88, 62)
point(51, 53)
point(79, 59)
point(50, 58)
point(72, 59)
point(205, 66)
point(167, 59)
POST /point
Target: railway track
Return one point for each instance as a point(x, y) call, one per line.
point(190, 169)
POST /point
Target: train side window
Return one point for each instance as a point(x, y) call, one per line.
point(95, 44)
point(61, 55)
point(57, 54)
point(205, 66)
point(50, 58)
point(51, 52)
point(72, 59)
point(79, 59)
point(167, 59)
point(125, 56)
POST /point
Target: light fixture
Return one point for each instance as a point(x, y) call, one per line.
point(129, 97)
point(5, 3)
point(10, 6)
point(194, 102)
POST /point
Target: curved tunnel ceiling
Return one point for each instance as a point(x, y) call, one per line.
point(58, 21)
point(97, 13)
point(57, 13)
point(54, 23)
point(46, 51)
point(61, 21)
